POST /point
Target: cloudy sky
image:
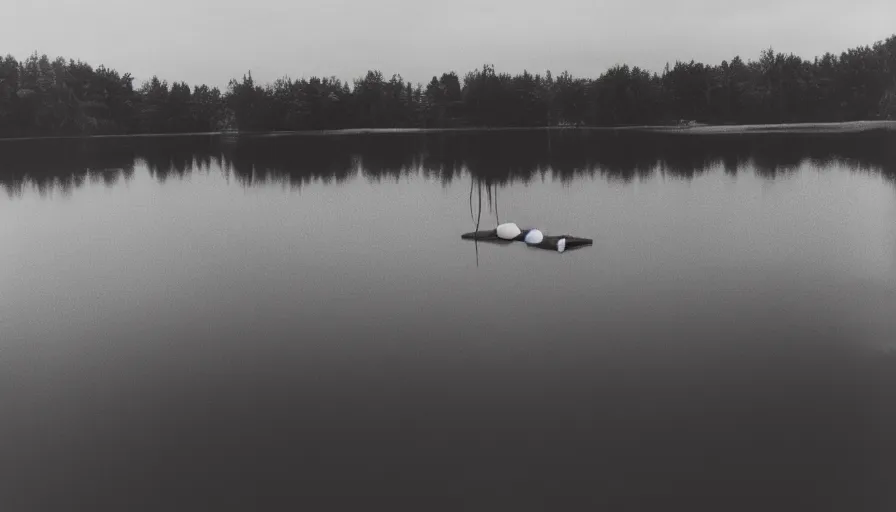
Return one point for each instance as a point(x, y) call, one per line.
point(210, 41)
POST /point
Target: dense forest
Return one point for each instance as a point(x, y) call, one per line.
point(43, 97)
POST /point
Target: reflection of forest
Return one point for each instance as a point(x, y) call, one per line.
point(494, 156)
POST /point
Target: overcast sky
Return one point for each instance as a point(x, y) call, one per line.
point(210, 41)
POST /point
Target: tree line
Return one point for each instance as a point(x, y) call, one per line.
point(43, 97)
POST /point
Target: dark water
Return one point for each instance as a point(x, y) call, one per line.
point(211, 323)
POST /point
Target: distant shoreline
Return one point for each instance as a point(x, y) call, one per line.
point(800, 128)
point(787, 128)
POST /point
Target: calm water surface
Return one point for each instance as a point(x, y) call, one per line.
point(218, 323)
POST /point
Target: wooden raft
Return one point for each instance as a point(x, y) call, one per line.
point(549, 242)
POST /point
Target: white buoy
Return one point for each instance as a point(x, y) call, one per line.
point(534, 237)
point(561, 245)
point(508, 231)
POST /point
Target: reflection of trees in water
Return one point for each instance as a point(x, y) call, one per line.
point(66, 184)
point(496, 157)
point(874, 154)
point(384, 157)
point(61, 166)
point(175, 157)
point(296, 162)
point(776, 156)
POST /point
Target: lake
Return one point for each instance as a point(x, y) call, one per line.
point(234, 322)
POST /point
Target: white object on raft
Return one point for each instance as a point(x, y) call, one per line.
point(534, 237)
point(561, 245)
point(508, 231)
